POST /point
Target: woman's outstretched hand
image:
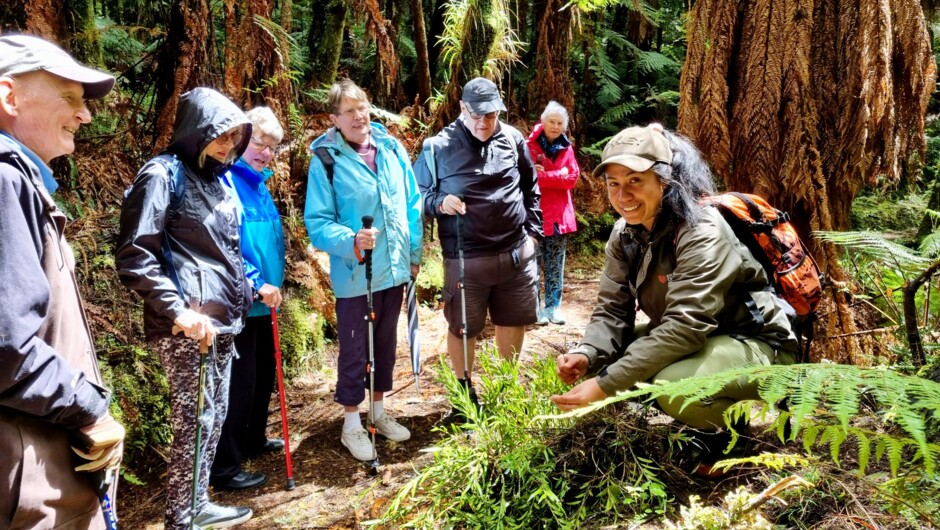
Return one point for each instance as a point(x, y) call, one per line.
point(584, 394)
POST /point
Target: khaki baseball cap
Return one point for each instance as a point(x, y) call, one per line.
point(20, 54)
point(637, 148)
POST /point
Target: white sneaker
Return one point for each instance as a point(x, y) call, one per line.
point(358, 443)
point(218, 516)
point(391, 429)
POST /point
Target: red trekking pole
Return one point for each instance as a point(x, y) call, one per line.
point(280, 394)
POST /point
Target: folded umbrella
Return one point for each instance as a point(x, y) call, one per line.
point(414, 340)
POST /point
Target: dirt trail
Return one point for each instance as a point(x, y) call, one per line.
point(333, 490)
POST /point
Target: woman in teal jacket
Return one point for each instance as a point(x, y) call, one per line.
point(252, 380)
point(358, 169)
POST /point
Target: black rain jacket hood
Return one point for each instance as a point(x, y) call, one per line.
point(189, 256)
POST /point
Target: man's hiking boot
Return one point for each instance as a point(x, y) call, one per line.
point(218, 516)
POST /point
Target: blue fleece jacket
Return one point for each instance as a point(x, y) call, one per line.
point(261, 232)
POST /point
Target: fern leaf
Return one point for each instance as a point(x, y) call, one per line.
point(874, 244)
point(864, 451)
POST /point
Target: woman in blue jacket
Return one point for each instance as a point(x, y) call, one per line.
point(262, 239)
point(370, 174)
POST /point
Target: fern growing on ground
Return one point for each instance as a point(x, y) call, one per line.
point(822, 400)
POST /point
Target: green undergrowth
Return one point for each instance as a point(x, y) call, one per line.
point(520, 463)
point(506, 469)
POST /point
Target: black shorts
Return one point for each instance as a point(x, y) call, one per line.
point(505, 284)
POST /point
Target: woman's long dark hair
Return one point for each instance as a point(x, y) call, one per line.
point(688, 179)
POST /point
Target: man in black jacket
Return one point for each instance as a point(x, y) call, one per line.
point(477, 179)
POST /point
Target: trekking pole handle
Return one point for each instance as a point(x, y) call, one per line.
point(367, 224)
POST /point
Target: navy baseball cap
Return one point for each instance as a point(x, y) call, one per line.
point(482, 96)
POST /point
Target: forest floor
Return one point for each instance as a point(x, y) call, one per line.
point(333, 490)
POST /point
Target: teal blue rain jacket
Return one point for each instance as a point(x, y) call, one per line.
point(333, 212)
point(261, 232)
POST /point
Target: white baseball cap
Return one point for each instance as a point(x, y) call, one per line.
point(20, 54)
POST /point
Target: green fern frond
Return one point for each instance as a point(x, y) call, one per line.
point(876, 245)
point(277, 34)
point(651, 62)
point(930, 245)
point(774, 461)
point(618, 114)
point(823, 400)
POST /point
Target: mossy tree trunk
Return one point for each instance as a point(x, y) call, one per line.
point(325, 40)
point(421, 48)
point(81, 32)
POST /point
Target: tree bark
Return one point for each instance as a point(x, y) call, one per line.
point(552, 79)
point(421, 47)
point(436, 9)
point(325, 40)
point(918, 357)
point(182, 62)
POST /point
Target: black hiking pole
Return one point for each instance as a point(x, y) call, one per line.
point(370, 363)
point(200, 407)
point(280, 393)
point(463, 300)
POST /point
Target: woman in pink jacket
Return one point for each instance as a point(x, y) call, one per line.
point(558, 172)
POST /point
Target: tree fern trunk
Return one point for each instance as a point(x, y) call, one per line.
point(478, 36)
point(182, 62)
point(804, 102)
point(552, 79)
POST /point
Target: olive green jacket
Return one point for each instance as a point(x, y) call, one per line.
point(692, 286)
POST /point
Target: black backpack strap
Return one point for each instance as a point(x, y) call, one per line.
point(327, 160)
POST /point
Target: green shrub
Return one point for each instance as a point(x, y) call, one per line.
point(507, 468)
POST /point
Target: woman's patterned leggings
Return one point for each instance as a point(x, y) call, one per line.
point(180, 360)
point(553, 268)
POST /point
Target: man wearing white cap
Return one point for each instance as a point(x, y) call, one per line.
point(54, 422)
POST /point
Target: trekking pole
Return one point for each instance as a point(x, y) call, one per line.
point(280, 393)
point(370, 363)
point(463, 300)
point(200, 404)
point(102, 482)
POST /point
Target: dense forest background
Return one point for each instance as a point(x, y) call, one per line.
point(826, 107)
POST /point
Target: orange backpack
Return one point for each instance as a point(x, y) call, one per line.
point(773, 240)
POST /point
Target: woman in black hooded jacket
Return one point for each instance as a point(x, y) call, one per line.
point(178, 248)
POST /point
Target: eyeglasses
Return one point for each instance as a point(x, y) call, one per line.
point(261, 146)
point(489, 116)
point(233, 136)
